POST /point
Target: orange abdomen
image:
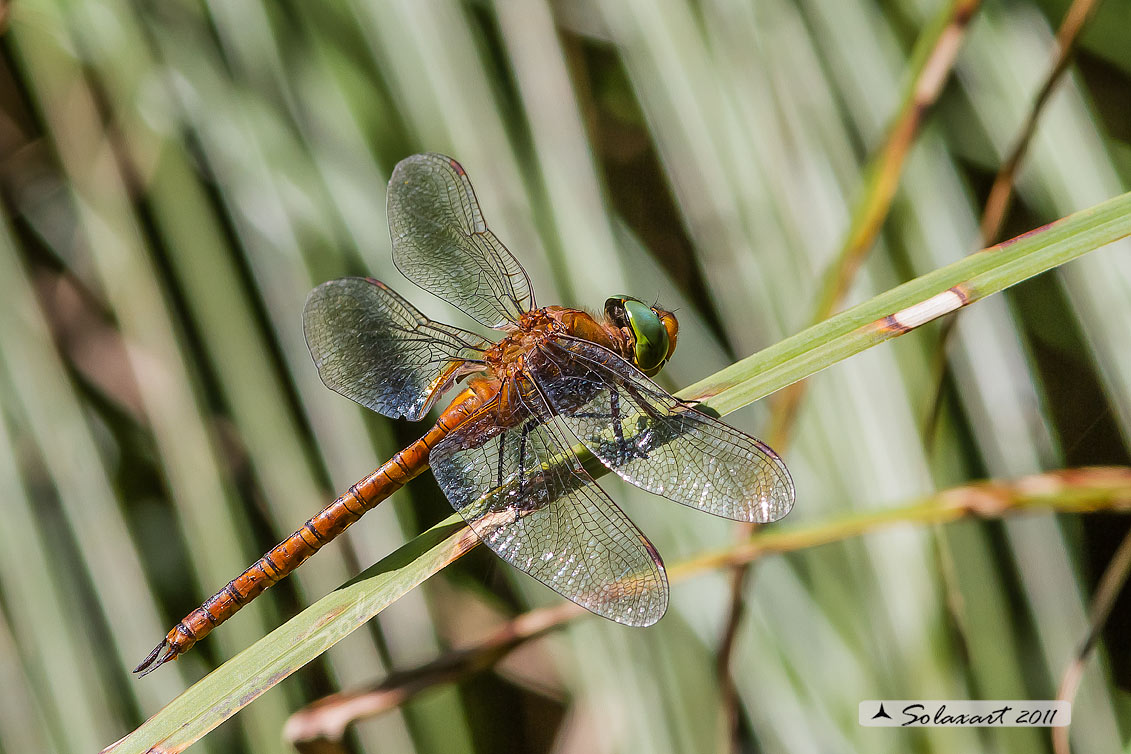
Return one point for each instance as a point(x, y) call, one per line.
point(310, 537)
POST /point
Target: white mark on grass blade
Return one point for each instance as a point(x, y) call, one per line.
point(925, 311)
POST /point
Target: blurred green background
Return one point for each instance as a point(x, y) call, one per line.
point(178, 175)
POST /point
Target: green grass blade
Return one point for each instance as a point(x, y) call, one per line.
point(242, 679)
point(982, 274)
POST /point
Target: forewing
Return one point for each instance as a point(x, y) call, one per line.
point(441, 243)
point(373, 347)
point(527, 497)
point(654, 441)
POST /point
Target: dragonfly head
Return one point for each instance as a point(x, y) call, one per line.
point(652, 331)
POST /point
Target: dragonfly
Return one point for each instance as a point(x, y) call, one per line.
point(504, 452)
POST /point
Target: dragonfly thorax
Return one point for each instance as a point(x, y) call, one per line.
point(508, 357)
point(643, 335)
point(511, 355)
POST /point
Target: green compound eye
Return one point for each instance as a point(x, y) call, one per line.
point(651, 342)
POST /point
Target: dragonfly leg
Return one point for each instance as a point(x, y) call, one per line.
point(526, 430)
point(694, 404)
point(502, 456)
point(629, 448)
point(614, 416)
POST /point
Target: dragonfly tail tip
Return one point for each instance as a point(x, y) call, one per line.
point(160, 655)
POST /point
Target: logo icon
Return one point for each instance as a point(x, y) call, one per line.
point(965, 713)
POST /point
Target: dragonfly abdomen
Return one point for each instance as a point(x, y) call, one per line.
point(308, 539)
point(278, 562)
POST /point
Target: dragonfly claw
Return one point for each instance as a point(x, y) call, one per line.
point(161, 654)
point(697, 405)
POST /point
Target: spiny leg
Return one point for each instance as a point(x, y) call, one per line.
point(614, 416)
point(502, 456)
point(526, 430)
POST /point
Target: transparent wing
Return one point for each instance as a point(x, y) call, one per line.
point(652, 440)
point(441, 243)
point(373, 347)
point(526, 495)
